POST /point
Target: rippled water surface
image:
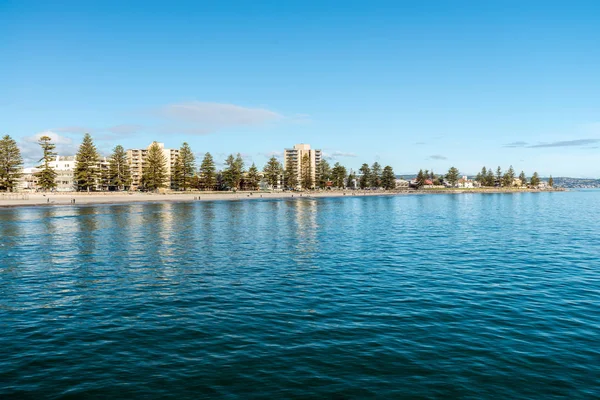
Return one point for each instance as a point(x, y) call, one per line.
point(472, 296)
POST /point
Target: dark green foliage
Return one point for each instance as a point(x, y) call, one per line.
point(509, 177)
point(208, 178)
point(47, 175)
point(11, 164)
point(421, 178)
point(306, 179)
point(388, 178)
point(523, 178)
point(154, 175)
point(480, 177)
point(86, 171)
point(338, 175)
point(185, 168)
point(535, 180)
point(489, 178)
point(234, 171)
point(375, 175)
point(365, 177)
point(351, 180)
point(550, 181)
point(499, 174)
point(291, 174)
point(119, 173)
point(323, 174)
point(253, 177)
point(452, 176)
point(272, 172)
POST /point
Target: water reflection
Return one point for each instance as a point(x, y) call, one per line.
point(11, 230)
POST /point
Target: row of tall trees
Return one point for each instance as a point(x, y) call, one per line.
point(89, 175)
point(487, 177)
point(376, 177)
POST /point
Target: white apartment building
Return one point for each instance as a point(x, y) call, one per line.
point(65, 174)
point(137, 158)
point(295, 156)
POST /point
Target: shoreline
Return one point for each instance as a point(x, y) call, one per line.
point(98, 198)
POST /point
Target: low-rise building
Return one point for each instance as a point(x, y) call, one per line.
point(401, 184)
point(65, 174)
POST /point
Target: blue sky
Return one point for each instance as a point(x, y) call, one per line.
point(412, 84)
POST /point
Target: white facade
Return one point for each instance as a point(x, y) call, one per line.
point(137, 158)
point(65, 174)
point(295, 156)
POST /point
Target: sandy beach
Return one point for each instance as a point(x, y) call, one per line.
point(79, 198)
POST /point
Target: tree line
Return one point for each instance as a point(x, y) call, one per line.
point(487, 177)
point(89, 174)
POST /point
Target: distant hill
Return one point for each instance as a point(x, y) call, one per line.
point(576, 183)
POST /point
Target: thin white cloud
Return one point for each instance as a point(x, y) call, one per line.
point(201, 118)
point(334, 155)
point(567, 143)
point(516, 144)
point(438, 157)
point(32, 152)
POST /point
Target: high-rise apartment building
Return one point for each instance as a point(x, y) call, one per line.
point(295, 156)
point(137, 158)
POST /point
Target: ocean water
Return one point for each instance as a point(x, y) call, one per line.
point(432, 296)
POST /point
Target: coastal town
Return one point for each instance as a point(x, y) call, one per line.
point(157, 169)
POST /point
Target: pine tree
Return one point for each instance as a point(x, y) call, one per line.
point(351, 179)
point(154, 174)
point(234, 171)
point(388, 178)
point(306, 179)
point(365, 177)
point(375, 175)
point(272, 171)
point(535, 180)
point(291, 174)
point(253, 177)
point(104, 180)
point(208, 178)
point(489, 178)
point(11, 164)
point(220, 181)
point(185, 167)
point(523, 178)
point(47, 175)
point(481, 176)
point(119, 173)
point(550, 181)
point(323, 174)
point(86, 166)
point(509, 177)
point(452, 176)
point(229, 172)
point(420, 180)
point(176, 174)
point(338, 176)
point(499, 175)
